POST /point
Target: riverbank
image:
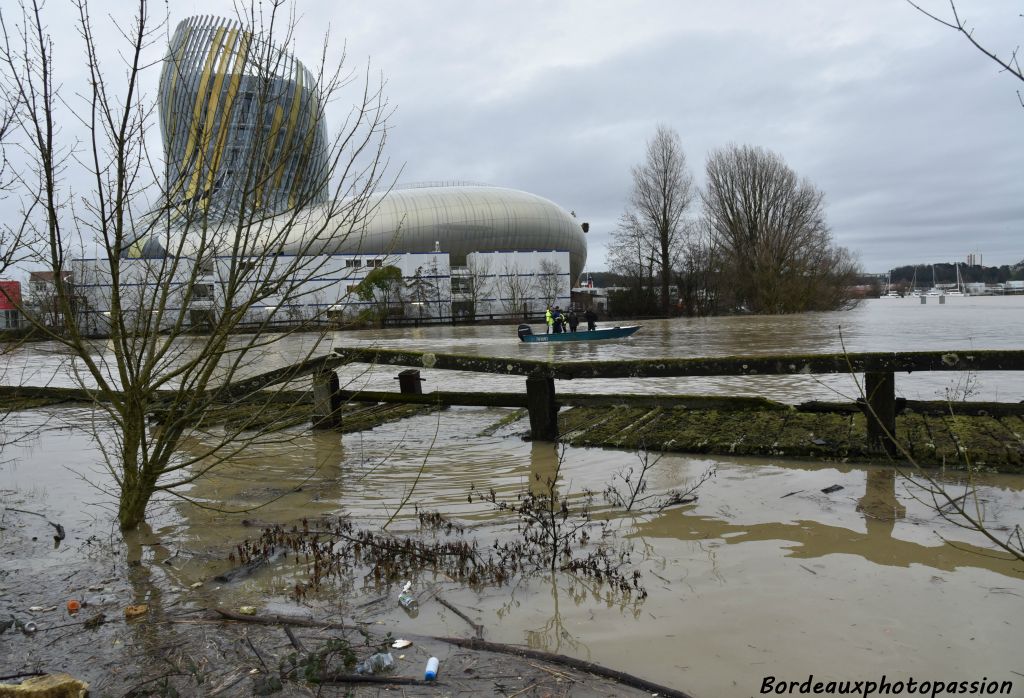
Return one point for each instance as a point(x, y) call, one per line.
point(176, 645)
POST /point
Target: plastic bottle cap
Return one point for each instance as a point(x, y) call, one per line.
point(73, 606)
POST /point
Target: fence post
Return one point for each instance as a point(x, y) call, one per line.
point(880, 387)
point(409, 382)
point(326, 401)
point(540, 401)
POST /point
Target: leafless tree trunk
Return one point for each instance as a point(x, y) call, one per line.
point(653, 227)
point(770, 226)
point(700, 273)
point(99, 194)
point(476, 284)
point(548, 281)
point(513, 287)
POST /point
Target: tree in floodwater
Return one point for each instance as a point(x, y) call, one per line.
point(652, 232)
point(382, 288)
point(209, 234)
point(768, 226)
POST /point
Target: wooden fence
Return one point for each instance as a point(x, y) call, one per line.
point(879, 401)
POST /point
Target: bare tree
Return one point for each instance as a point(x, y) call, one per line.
point(166, 254)
point(770, 226)
point(424, 292)
point(1009, 64)
point(700, 273)
point(470, 287)
point(653, 226)
point(632, 254)
point(549, 281)
point(513, 288)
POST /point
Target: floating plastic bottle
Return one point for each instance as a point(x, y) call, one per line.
point(431, 672)
point(406, 600)
point(377, 664)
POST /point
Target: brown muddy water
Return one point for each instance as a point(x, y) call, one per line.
point(746, 583)
point(764, 575)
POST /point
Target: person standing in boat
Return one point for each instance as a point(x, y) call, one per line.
point(574, 321)
point(550, 320)
point(591, 317)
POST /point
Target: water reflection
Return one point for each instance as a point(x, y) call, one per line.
point(879, 504)
point(543, 468)
point(553, 635)
point(811, 539)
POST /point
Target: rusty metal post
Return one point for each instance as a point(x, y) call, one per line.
point(326, 401)
point(881, 410)
point(540, 401)
point(409, 382)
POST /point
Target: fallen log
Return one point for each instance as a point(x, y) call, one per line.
point(589, 667)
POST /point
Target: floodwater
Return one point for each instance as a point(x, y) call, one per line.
point(765, 575)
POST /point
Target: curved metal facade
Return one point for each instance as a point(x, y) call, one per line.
point(242, 123)
point(459, 220)
point(243, 129)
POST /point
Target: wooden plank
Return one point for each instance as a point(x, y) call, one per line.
point(967, 360)
point(490, 399)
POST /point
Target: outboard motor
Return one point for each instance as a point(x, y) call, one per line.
point(524, 331)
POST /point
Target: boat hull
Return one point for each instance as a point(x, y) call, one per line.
point(583, 335)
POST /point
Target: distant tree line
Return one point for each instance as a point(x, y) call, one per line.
point(945, 273)
point(758, 243)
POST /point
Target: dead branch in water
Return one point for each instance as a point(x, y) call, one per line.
point(589, 667)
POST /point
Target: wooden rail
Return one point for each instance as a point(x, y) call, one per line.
point(783, 364)
point(879, 369)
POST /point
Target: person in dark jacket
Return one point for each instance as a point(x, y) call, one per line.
point(591, 317)
point(556, 314)
point(574, 321)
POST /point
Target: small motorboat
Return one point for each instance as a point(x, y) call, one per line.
point(526, 334)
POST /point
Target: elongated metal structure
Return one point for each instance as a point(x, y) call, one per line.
point(242, 123)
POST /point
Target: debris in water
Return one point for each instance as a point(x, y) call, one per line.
point(400, 644)
point(377, 664)
point(406, 600)
point(49, 685)
point(832, 488)
point(136, 611)
point(791, 494)
point(247, 610)
point(95, 622)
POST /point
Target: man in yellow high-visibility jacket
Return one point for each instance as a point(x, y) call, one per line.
point(550, 320)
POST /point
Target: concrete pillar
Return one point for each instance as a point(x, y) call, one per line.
point(540, 401)
point(880, 387)
point(326, 402)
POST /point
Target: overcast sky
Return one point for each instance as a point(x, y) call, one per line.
point(916, 138)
